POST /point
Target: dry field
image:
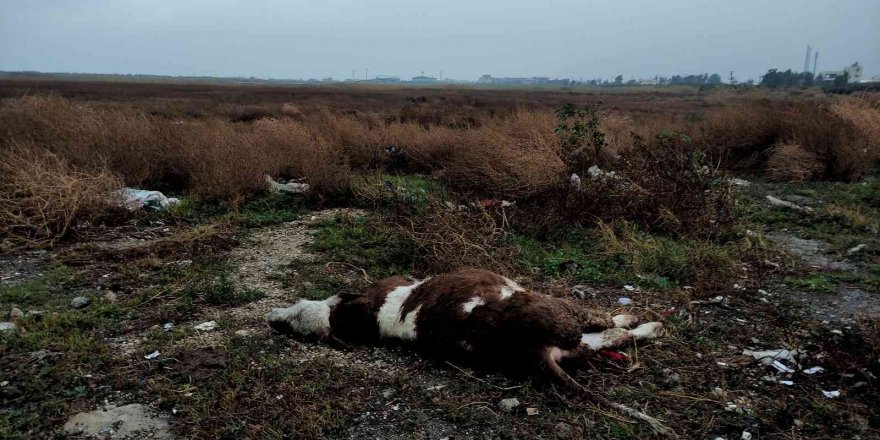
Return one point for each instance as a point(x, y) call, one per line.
point(417, 182)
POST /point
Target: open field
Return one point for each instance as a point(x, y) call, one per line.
point(418, 182)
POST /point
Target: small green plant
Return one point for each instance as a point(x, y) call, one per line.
point(816, 283)
point(581, 134)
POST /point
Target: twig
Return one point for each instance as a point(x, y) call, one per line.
point(483, 405)
point(481, 380)
point(362, 271)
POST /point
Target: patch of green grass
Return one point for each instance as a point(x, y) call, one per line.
point(261, 210)
point(623, 254)
point(389, 190)
point(51, 362)
point(849, 209)
point(815, 283)
point(181, 288)
point(46, 289)
point(567, 254)
point(366, 243)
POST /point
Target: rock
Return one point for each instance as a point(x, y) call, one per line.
point(7, 326)
point(16, 313)
point(245, 332)
point(508, 405)
point(118, 422)
point(563, 430)
point(80, 302)
point(670, 378)
point(206, 326)
point(110, 297)
point(583, 292)
point(856, 249)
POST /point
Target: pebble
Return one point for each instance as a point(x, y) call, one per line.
point(206, 326)
point(16, 313)
point(7, 326)
point(670, 378)
point(508, 405)
point(563, 430)
point(80, 302)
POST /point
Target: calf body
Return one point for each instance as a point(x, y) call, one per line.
point(474, 315)
point(470, 314)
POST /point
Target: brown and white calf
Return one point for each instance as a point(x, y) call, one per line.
point(470, 314)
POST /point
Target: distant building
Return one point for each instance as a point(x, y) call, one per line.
point(424, 79)
point(383, 79)
point(854, 73)
point(535, 80)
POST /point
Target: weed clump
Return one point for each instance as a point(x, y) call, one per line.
point(42, 196)
point(792, 163)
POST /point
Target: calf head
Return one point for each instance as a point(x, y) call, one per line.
point(305, 318)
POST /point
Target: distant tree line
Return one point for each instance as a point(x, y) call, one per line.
point(691, 80)
point(774, 78)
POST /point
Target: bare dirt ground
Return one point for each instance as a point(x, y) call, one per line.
point(135, 364)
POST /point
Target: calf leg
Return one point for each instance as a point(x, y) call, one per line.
point(550, 360)
point(617, 336)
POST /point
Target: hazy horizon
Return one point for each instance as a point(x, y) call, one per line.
point(556, 38)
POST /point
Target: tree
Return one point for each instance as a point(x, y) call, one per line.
point(618, 80)
point(715, 79)
point(842, 80)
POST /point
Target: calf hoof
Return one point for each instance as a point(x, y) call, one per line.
point(625, 321)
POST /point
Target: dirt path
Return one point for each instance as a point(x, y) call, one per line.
point(262, 256)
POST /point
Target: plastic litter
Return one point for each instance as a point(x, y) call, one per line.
point(629, 288)
point(206, 326)
point(168, 326)
point(777, 202)
point(774, 358)
point(831, 394)
point(597, 173)
point(814, 370)
point(624, 301)
point(135, 199)
point(289, 187)
point(152, 355)
point(856, 249)
point(575, 181)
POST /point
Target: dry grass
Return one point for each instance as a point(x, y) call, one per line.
point(491, 148)
point(42, 196)
point(446, 239)
point(792, 163)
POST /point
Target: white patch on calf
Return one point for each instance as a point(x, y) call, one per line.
point(390, 323)
point(592, 340)
point(510, 287)
point(468, 307)
point(307, 317)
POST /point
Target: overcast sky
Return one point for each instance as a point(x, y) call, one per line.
point(463, 38)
